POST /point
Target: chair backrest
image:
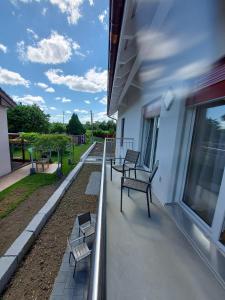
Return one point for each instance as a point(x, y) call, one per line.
point(84, 218)
point(69, 244)
point(154, 170)
point(132, 156)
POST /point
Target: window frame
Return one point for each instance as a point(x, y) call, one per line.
point(214, 230)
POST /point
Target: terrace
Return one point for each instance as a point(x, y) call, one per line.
point(140, 258)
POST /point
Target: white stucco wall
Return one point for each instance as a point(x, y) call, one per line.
point(5, 165)
point(195, 41)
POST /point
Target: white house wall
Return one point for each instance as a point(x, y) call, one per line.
point(5, 165)
point(192, 42)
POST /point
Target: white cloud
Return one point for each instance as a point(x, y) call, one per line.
point(50, 90)
point(87, 101)
point(80, 111)
point(45, 87)
point(102, 19)
point(66, 100)
point(91, 2)
point(52, 107)
point(29, 100)
point(103, 100)
point(148, 74)
point(93, 81)
point(23, 1)
point(100, 116)
point(72, 8)
point(20, 48)
point(3, 48)
point(191, 70)
point(44, 11)
point(32, 33)
point(12, 78)
point(68, 112)
point(55, 49)
point(42, 85)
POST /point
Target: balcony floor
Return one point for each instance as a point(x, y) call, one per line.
point(151, 258)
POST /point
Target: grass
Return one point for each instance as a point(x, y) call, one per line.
point(12, 196)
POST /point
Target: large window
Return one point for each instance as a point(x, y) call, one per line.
point(150, 138)
point(207, 160)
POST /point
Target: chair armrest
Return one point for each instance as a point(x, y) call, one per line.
point(113, 159)
point(139, 180)
point(76, 240)
point(139, 169)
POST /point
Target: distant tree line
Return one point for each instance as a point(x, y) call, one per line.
point(30, 118)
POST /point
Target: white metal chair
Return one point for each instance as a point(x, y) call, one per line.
point(78, 250)
point(86, 225)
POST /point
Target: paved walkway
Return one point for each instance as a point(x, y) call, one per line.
point(11, 178)
point(66, 287)
point(150, 259)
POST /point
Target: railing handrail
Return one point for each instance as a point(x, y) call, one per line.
point(98, 239)
point(131, 139)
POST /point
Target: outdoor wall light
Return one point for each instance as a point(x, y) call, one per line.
point(168, 99)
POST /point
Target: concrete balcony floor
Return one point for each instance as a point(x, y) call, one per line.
point(151, 258)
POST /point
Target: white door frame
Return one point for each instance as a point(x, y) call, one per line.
point(214, 230)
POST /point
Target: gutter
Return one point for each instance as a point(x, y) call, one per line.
point(116, 8)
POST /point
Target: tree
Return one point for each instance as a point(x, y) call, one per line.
point(26, 118)
point(57, 127)
point(74, 126)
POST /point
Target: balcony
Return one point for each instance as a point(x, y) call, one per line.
point(140, 258)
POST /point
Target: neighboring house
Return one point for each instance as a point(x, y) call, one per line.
point(167, 84)
point(5, 162)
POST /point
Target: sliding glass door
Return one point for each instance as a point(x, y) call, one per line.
point(207, 161)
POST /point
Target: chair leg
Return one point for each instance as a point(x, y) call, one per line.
point(135, 174)
point(150, 192)
point(70, 257)
point(148, 205)
point(74, 269)
point(128, 192)
point(121, 199)
point(111, 170)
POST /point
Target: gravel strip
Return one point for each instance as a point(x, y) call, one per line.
point(12, 225)
point(35, 277)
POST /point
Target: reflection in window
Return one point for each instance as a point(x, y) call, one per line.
point(207, 160)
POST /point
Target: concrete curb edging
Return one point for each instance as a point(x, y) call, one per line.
point(9, 262)
point(85, 155)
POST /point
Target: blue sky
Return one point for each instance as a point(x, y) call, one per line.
point(54, 53)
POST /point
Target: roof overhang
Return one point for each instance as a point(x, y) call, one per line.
point(115, 21)
point(6, 100)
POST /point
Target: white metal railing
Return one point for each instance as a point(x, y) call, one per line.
point(117, 147)
point(97, 285)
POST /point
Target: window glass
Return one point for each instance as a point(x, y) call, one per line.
point(207, 160)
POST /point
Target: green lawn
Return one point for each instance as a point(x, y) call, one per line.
point(11, 197)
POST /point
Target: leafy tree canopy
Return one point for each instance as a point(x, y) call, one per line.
point(57, 127)
point(26, 118)
point(74, 126)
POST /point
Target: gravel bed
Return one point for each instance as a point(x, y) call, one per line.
point(12, 225)
point(35, 277)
